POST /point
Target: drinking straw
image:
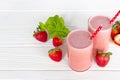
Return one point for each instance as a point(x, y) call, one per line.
point(96, 32)
point(113, 19)
point(100, 27)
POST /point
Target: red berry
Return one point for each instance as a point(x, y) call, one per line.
point(114, 32)
point(102, 59)
point(41, 36)
point(118, 29)
point(57, 41)
point(55, 54)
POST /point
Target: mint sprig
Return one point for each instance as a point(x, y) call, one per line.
point(55, 26)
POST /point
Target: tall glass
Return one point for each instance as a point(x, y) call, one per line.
point(79, 49)
point(101, 40)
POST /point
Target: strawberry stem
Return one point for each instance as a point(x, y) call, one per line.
point(54, 49)
point(104, 53)
point(34, 33)
point(38, 29)
point(99, 52)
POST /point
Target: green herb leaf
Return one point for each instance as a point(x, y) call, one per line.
point(42, 26)
point(55, 27)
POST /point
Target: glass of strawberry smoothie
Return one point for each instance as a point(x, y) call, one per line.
point(101, 40)
point(79, 50)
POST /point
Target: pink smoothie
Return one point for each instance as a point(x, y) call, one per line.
point(101, 41)
point(79, 49)
point(100, 20)
point(79, 39)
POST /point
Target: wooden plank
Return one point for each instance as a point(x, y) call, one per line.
point(20, 51)
point(59, 75)
point(36, 58)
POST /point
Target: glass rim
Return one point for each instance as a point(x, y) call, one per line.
point(68, 43)
point(102, 30)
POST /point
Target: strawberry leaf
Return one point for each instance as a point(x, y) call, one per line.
point(108, 53)
point(117, 22)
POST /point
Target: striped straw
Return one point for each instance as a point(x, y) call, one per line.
point(113, 19)
point(96, 32)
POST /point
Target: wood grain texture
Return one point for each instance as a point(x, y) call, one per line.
point(21, 55)
point(59, 75)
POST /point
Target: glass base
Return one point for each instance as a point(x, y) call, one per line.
point(80, 70)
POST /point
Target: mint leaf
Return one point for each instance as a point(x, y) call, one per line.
point(55, 27)
point(62, 33)
point(62, 21)
point(50, 21)
point(42, 26)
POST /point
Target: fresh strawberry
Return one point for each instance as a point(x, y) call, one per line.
point(115, 29)
point(114, 32)
point(117, 39)
point(55, 54)
point(40, 35)
point(119, 29)
point(102, 59)
point(57, 41)
point(117, 24)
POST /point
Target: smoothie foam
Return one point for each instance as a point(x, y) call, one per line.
point(100, 20)
point(79, 39)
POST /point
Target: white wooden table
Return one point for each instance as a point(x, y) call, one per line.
point(24, 58)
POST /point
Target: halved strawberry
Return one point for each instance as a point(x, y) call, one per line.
point(57, 41)
point(55, 54)
point(40, 35)
point(115, 29)
point(117, 39)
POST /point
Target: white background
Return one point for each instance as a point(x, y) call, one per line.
point(23, 58)
point(59, 5)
